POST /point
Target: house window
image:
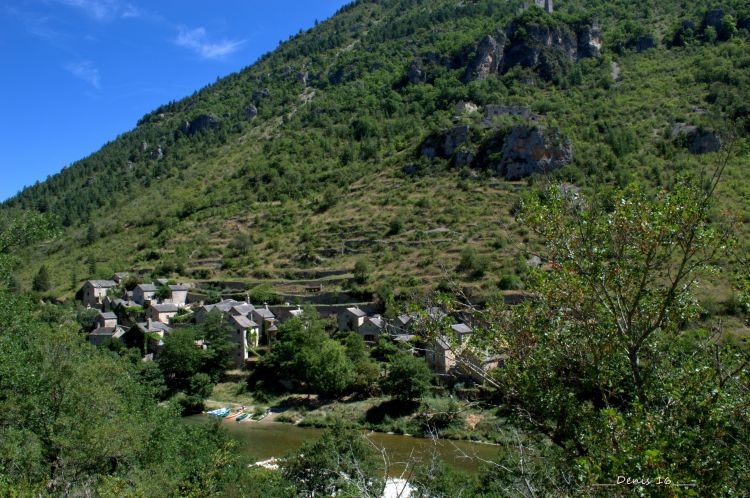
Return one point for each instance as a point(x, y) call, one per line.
point(369, 338)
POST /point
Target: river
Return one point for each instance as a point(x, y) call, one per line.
point(264, 440)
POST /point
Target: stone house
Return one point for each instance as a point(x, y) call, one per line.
point(143, 294)
point(266, 320)
point(102, 334)
point(371, 328)
point(94, 292)
point(106, 319)
point(229, 306)
point(351, 319)
point(462, 332)
point(120, 277)
point(178, 295)
point(154, 333)
point(246, 334)
point(439, 355)
point(162, 312)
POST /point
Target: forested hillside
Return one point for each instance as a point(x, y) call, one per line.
point(555, 199)
point(323, 153)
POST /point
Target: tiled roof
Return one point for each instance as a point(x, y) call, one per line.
point(356, 311)
point(244, 322)
point(461, 328)
point(105, 284)
point(165, 308)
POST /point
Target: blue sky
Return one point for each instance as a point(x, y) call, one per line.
point(77, 73)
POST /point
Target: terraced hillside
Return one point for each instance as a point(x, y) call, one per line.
point(385, 138)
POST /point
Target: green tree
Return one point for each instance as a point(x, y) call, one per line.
point(408, 377)
point(366, 370)
point(329, 372)
point(728, 28)
point(17, 233)
point(600, 363)
point(91, 234)
point(79, 420)
point(473, 263)
point(217, 358)
point(86, 318)
point(152, 379)
point(41, 280)
point(201, 385)
point(361, 271)
point(162, 292)
point(340, 463)
point(179, 358)
point(710, 34)
point(91, 265)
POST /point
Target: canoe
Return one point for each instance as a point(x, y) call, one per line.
point(242, 417)
point(222, 412)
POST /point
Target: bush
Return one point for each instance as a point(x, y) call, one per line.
point(408, 377)
point(473, 263)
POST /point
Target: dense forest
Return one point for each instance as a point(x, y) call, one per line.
point(427, 154)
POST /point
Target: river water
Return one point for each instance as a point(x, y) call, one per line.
point(264, 440)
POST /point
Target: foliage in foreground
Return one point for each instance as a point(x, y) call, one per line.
point(602, 364)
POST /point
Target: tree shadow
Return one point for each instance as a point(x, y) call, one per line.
point(305, 403)
point(393, 408)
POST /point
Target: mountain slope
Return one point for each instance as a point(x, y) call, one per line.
point(295, 167)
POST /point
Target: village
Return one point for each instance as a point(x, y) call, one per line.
point(142, 315)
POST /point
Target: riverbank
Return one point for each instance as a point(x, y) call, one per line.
point(441, 417)
point(260, 441)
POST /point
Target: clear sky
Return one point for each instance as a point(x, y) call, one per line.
point(77, 73)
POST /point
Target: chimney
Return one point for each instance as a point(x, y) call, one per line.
point(149, 323)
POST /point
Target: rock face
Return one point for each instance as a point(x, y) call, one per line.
point(144, 146)
point(262, 93)
point(589, 43)
point(445, 144)
point(250, 112)
point(466, 108)
point(516, 152)
point(527, 150)
point(488, 59)
point(415, 74)
point(549, 48)
point(546, 5)
point(157, 153)
point(493, 110)
point(696, 140)
point(201, 122)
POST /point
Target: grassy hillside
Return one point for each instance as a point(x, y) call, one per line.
point(315, 181)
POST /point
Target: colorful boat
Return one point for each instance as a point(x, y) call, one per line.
point(221, 412)
point(242, 417)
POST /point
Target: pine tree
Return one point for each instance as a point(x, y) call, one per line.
point(14, 286)
point(91, 262)
point(41, 280)
point(91, 234)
